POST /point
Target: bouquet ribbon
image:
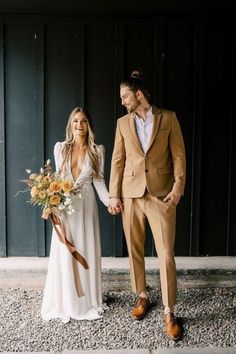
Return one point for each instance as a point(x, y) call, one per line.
point(56, 223)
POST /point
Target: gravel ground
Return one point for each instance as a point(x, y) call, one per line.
point(208, 317)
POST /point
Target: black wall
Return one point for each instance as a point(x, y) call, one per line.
point(48, 65)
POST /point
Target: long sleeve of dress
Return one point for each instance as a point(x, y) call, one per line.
point(57, 150)
point(99, 183)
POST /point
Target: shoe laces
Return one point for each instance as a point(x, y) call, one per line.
point(141, 301)
point(171, 318)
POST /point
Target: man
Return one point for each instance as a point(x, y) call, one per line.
point(146, 182)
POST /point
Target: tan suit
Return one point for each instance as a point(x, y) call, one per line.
point(142, 180)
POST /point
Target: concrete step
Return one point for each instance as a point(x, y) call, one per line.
point(210, 350)
point(30, 272)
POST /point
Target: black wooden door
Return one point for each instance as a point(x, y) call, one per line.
point(50, 65)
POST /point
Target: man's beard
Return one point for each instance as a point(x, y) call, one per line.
point(133, 108)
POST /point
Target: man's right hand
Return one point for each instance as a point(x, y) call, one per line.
point(115, 206)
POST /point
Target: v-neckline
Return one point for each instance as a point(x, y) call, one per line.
point(75, 180)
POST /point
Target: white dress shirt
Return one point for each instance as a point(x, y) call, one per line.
point(144, 129)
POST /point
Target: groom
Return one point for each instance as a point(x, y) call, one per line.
point(147, 181)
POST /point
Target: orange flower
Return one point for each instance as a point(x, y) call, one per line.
point(67, 186)
point(55, 186)
point(55, 200)
point(34, 192)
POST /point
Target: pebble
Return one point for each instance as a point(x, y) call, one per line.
point(208, 317)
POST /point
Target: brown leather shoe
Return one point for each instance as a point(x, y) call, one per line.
point(173, 328)
point(141, 308)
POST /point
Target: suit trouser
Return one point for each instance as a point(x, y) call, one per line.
point(162, 218)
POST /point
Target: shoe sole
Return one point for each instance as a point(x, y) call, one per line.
point(137, 318)
point(174, 338)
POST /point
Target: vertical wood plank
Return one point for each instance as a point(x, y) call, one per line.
point(231, 221)
point(3, 236)
point(159, 56)
point(79, 52)
point(21, 136)
point(194, 246)
point(39, 123)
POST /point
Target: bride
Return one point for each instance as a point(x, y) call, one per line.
point(70, 290)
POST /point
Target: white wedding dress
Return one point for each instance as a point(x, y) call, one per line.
point(70, 290)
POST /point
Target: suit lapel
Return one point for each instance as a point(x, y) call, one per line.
point(156, 124)
point(133, 131)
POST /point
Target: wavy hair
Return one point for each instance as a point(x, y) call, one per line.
point(92, 148)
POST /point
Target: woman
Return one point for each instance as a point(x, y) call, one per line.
point(72, 291)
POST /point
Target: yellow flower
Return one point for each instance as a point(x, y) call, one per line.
point(32, 176)
point(67, 186)
point(50, 192)
point(42, 194)
point(34, 192)
point(47, 179)
point(55, 200)
point(55, 186)
point(46, 182)
point(38, 178)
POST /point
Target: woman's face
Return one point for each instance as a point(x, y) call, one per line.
point(79, 125)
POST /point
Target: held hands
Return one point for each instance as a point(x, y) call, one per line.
point(115, 206)
point(175, 197)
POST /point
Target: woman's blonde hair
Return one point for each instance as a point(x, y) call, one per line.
point(91, 147)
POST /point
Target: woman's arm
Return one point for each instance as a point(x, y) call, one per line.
point(99, 183)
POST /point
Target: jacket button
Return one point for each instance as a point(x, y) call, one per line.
point(146, 170)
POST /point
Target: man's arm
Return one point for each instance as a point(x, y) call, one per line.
point(117, 165)
point(179, 160)
point(116, 176)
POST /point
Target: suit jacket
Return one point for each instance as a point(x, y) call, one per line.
point(159, 170)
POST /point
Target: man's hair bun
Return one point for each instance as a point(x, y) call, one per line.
point(137, 74)
point(136, 82)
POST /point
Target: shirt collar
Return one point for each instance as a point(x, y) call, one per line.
point(149, 116)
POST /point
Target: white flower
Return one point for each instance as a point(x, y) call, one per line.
point(80, 195)
point(67, 201)
point(70, 207)
point(70, 211)
point(28, 171)
point(48, 162)
point(41, 170)
point(61, 207)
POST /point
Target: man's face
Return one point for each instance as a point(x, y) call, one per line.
point(128, 99)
